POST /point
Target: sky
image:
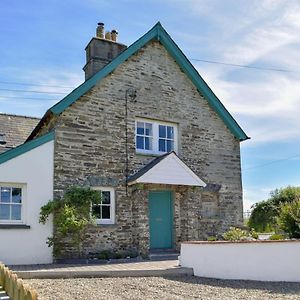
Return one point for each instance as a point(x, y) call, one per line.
point(42, 54)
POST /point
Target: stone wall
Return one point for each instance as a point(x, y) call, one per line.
point(90, 149)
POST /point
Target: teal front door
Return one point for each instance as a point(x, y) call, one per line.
point(160, 219)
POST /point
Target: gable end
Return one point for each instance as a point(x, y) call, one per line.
point(158, 33)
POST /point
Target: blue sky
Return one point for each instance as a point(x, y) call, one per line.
point(42, 43)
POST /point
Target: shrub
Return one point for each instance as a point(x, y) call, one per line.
point(253, 234)
point(236, 234)
point(289, 218)
point(276, 237)
point(105, 254)
point(71, 216)
point(212, 238)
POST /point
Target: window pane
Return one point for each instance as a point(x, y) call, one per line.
point(5, 194)
point(4, 211)
point(148, 143)
point(161, 145)
point(106, 197)
point(148, 129)
point(16, 195)
point(162, 131)
point(170, 145)
point(140, 128)
point(170, 132)
point(139, 142)
point(16, 212)
point(96, 211)
point(105, 212)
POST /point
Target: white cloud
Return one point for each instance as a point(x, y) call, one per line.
point(265, 102)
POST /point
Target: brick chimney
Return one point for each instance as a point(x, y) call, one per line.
point(101, 50)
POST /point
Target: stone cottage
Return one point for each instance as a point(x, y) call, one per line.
point(147, 132)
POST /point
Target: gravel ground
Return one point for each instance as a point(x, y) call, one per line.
point(185, 287)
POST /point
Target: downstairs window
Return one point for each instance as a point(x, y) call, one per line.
point(11, 203)
point(104, 212)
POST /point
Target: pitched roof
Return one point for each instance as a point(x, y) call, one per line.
point(21, 149)
point(155, 33)
point(166, 169)
point(15, 129)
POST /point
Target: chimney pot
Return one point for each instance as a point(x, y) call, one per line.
point(100, 30)
point(108, 36)
point(114, 34)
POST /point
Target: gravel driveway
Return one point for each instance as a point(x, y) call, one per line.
point(185, 287)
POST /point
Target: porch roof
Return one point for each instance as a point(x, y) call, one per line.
point(166, 169)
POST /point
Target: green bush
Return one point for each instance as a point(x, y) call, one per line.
point(105, 254)
point(236, 234)
point(276, 237)
point(212, 238)
point(253, 234)
point(71, 216)
point(289, 219)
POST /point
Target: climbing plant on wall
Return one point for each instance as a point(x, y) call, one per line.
point(71, 216)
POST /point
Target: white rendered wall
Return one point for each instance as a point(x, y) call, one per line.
point(34, 169)
point(264, 261)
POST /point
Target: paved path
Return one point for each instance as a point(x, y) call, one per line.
point(134, 269)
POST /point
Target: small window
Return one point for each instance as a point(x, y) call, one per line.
point(11, 201)
point(104, 212)
point(166, 138)
point(155, 137)
point(144, 136)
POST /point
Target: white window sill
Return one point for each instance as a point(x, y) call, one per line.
point(150, 153)
point(102, 222)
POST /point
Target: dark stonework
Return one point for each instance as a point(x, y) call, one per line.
point(90, 150)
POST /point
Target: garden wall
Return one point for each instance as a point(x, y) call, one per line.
point(249, 260)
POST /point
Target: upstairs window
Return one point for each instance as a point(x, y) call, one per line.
point(11, 201)
point(166, 138)
point(155, 137)
point(144, 136)
point(104, 212)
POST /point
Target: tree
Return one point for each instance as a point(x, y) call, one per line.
point(289, 218)
point(264, 216)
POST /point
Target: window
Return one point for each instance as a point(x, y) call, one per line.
point(105, 211)
point(153, 137)
point(166, 138)
point(144, 136)
point(11, 202)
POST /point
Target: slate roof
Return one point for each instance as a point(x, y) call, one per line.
point(15, 129)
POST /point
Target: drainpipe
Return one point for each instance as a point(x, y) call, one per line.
point(131, 94)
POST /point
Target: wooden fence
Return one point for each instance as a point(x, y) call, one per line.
point(14, 287)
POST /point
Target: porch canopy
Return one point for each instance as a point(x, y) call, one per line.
point(166, 169)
